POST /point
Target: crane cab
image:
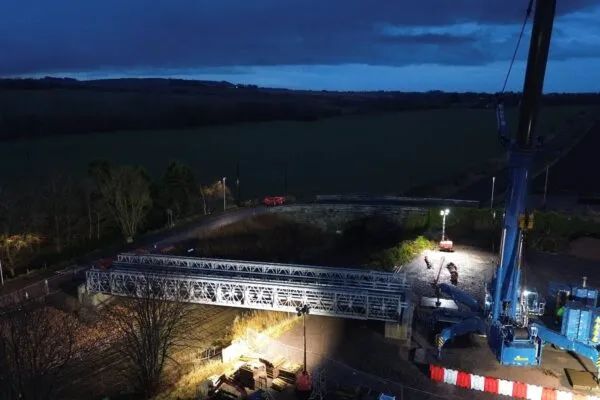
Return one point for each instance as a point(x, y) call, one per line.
point(532, 303)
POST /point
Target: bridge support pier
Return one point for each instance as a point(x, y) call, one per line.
point(96, 299)
point(401, 330)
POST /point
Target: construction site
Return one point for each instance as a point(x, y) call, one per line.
point(334, 299)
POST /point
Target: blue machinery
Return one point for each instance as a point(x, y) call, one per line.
point(505, 316)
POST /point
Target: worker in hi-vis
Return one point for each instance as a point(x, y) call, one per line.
point(559, 314)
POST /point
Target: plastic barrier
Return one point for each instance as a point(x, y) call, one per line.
point(519, 390)
point(534, 392)
point(505, 387)
point(477, 382)
point(463, 380)
point(548, 394)
point(560, 395)
point(436, 373)
point(450, 376)
point(490, 385)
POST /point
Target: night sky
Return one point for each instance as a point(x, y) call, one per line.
point(454, 45)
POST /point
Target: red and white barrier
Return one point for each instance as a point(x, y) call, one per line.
point(517, 389)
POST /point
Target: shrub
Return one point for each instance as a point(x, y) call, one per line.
point(400, 254)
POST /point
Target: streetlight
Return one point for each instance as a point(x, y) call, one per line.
point(224, 194)
point(444, 213)
point(303, 312)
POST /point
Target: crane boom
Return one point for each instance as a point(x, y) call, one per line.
point(509, 335)
point(506, 285)
point(543, 22)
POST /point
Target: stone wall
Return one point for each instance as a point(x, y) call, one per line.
point(334, 217)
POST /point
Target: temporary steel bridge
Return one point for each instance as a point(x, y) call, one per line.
point(340, 292)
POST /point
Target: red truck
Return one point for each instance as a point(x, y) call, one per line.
point(274, 201)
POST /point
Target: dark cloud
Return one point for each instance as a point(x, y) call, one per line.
point(70, 35)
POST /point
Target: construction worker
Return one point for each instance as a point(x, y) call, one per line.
point(559, 315)
point(427, 263)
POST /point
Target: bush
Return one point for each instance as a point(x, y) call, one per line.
point(404, 252)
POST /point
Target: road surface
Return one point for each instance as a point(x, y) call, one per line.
point(40, 284)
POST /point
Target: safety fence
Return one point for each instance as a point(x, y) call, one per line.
point(488, 384)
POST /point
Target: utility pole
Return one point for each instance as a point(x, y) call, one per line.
point(493, 190)
point(545, 188)
point(1, 274)
point(285, 181)
point(237, 185)
point(224, 194)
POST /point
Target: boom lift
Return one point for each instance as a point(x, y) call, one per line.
point(505, 317)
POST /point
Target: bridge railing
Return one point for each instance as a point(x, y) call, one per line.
point(349, 277)
point(260, 295)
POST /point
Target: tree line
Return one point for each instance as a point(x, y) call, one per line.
point(82, 107)
point(62, 217)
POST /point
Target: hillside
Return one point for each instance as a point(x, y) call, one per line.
point(46, 107)
point(375, 154)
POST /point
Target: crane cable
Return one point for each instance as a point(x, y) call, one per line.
point(527, 15)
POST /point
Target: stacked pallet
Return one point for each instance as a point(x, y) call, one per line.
point(272, 366)
point(251, 374)
point(288, 371)
point(279, 384)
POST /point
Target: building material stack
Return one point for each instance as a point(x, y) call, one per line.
point(273, 366)
point(252, 375)
point(288, 371)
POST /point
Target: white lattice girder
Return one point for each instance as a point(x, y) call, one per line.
point(264, 295)
point(347, 277)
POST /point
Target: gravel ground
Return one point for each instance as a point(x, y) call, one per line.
point(475, 267)
point(356, 353)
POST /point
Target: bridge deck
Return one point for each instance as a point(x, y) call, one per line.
point(254, 294)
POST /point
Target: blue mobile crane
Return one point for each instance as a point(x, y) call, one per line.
point(505, 316)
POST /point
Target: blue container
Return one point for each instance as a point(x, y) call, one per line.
point(585, 295)
point(577, 321)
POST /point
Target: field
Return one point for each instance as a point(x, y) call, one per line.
point(376, 154)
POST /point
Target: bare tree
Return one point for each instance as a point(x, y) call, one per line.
point(213, 194)
point(9, 203)
point(126, 193)
point(151, 328)
point(178, 189)
point(62, 209)
point(36, 344)
point(16, 250)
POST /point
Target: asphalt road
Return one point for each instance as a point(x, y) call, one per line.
point(44, 283)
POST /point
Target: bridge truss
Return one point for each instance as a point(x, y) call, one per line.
point(315, 275)
point(259, 295)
